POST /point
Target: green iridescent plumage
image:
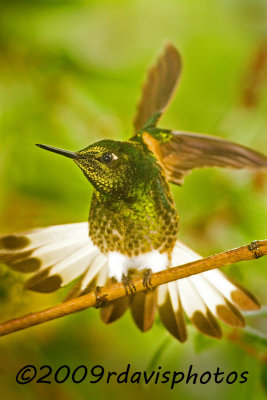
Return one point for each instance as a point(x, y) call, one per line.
point(132, 209)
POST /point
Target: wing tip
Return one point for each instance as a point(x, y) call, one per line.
point(159, 86)
point(171, 49)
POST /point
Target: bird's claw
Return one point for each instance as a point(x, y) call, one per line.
point(147, 279)
point(128, 285)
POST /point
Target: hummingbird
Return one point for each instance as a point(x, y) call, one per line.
point(133, 222)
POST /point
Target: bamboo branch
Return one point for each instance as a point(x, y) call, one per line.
point(254, 250)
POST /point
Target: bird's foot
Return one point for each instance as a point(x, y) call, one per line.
point(100, 299)
point(147, 279)
point(128, 285)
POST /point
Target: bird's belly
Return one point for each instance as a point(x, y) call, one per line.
point(119, 264)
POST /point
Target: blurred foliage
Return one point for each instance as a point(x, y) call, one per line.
point(70, 74)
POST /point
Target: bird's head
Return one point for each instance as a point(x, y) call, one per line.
point(113, 167)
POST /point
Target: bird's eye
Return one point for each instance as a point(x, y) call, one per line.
point(106, 157)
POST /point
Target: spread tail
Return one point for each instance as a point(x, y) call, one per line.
point(57, 255)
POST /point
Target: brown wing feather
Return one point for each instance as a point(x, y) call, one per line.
point(185, 151)
point(159, 87)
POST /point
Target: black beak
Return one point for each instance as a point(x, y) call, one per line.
point(66, 153)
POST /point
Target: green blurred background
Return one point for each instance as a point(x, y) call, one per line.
point(70, 74)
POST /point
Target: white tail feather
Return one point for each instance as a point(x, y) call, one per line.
point(190, 298)
point(210, 292)
point(59, 254)
point(99, 263)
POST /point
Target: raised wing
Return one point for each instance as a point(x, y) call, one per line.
point(158, 88)
point(185, 151)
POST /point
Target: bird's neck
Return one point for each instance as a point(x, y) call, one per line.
point(137, 225)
